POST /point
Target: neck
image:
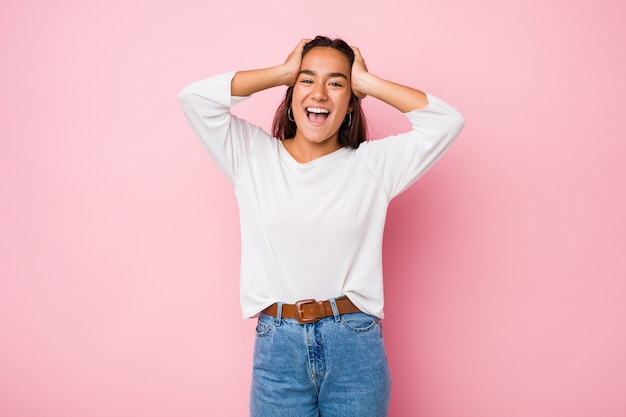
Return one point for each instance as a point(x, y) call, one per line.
point(304, 151)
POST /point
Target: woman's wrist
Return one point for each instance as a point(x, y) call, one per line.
point(285, 75)
point(365, 84)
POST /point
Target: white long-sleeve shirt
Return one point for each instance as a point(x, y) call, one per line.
point(313, 230)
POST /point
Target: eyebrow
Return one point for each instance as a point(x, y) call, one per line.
point(330, 75)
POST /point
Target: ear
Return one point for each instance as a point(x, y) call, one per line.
point(353, 101)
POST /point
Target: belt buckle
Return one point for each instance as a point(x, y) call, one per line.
point(298, 311)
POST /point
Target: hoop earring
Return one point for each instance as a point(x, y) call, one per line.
point(349, 119)
point(290, 115)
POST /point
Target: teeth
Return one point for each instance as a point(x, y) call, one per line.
point(316, 110)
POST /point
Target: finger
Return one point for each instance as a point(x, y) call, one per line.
point(303, 43)
point(296, 54)
point(358, 58)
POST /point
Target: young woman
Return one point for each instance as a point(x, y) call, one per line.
point(313, 199)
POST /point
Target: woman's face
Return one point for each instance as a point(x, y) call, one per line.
point(321, 95)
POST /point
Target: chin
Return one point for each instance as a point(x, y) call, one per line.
point(320, 141)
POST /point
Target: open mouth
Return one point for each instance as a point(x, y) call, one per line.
point(317, 114)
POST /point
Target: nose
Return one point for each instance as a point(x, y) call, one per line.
point(319, 92)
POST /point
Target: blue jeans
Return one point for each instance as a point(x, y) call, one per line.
point(335, 367)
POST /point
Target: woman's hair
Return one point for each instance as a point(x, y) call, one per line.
point(352, 135)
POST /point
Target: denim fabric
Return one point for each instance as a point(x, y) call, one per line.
point(336, 367)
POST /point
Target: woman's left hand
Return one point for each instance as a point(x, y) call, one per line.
point(359, 72)
point(364, 83)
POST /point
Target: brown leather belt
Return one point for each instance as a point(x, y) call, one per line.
point(310, 311)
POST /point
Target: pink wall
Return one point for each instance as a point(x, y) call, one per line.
point(505, 264)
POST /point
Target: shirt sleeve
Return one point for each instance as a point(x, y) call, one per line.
point(398, 161)
point(227, 139)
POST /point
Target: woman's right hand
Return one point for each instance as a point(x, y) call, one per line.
point(293, 62)
point(245, 83)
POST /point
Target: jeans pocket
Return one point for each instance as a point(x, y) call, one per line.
point(262, 328)
point(359, 322)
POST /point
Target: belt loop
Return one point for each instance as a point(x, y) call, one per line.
point(279, 314)
point(333, 305)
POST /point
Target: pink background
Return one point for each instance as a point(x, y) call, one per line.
point(119, 242)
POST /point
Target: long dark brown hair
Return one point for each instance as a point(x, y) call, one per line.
point(352, 135)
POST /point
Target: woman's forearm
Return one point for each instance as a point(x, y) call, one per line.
point(245, 83)
point(401, 97)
